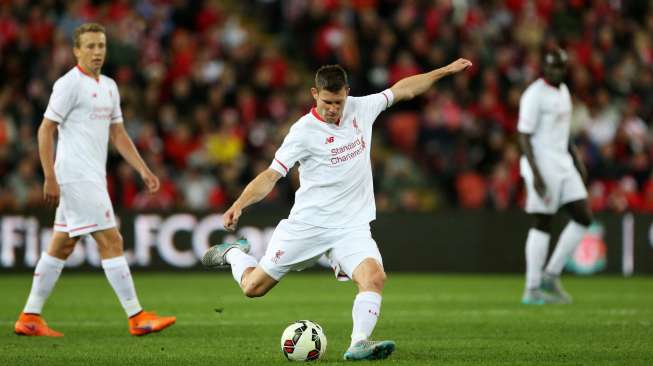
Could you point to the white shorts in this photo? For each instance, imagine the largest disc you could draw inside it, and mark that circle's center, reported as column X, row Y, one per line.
column 295, row 246
column 559, row 191
column 84, row 207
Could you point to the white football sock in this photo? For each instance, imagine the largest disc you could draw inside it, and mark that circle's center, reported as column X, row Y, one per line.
column 46, row 274
column 239, row 261
column 120, row 278
column 537, row 248
column 365, row 313
column 567, row 243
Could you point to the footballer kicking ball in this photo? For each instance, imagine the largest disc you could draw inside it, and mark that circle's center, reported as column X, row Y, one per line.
column 303, row 340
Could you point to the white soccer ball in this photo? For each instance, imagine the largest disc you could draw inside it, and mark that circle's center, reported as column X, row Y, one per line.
column 303, row 340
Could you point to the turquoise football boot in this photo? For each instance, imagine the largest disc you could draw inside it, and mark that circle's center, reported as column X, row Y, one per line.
column 215, row 257
column 551, row 286
column 369, row 350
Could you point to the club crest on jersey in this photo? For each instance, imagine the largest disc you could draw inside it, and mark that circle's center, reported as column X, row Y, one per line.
column 358, row 130
column 277, row 256
column 330, row 140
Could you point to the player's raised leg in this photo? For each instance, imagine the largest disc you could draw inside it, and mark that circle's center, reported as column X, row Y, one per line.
column 116, row 269
column 251, row 278
column 570, row 237
column 370, row 279
column 46, row 274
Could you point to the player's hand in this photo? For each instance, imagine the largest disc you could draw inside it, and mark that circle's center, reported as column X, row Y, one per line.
column 151, row 181
column 540, row 187
column 230, row 218
column 458, row 65
column 51, row 191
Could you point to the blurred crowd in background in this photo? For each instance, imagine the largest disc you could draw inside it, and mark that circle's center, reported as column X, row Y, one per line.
column 209, row 89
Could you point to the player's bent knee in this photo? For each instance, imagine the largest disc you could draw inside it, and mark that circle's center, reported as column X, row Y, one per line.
column 374, row 281
column 369, row 275
column 377, row 280
column 254, row 290
column 256, row 282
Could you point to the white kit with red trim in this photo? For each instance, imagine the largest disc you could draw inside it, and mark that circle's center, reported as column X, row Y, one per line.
column 84, row 107
column 335, row 171
column 545, row 113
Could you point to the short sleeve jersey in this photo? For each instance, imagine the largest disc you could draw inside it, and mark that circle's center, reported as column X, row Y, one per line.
column 545, row 113
column 84, row 107
column 335, row 172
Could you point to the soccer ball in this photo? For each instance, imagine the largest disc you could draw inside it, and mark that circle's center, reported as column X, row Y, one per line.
column 303, row 340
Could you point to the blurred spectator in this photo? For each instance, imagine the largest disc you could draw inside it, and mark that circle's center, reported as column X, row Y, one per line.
column 207, row 96
column 196, row 189
column 472, row 190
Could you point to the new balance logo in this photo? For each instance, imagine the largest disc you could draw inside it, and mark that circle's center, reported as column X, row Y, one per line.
column 330, row 140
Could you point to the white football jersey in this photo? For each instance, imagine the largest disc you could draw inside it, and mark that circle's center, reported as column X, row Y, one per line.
column 335, row 172
column 545, row 113
column 84, row 108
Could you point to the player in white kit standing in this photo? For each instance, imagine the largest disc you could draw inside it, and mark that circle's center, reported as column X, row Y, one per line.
column 85, row 110
column 334, row 203
column 552, row 173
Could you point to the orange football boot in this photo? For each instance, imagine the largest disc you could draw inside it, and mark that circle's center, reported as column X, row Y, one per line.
column 148, row 322
column 34, row 325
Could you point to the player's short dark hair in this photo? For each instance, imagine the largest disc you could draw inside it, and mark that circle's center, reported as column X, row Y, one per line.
column 86, row 28
column 331, row 77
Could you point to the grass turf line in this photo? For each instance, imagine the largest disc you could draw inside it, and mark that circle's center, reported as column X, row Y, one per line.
column 435, row 320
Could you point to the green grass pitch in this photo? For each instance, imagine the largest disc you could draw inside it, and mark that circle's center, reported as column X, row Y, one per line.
column 435, row 320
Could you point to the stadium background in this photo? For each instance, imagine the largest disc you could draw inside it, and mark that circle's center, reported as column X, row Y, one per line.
column 210, row 88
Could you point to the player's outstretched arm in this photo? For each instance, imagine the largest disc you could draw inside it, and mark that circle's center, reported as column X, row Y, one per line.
column 45, row 137
column 412, row 86
column 123, row 143
column 255, row 191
